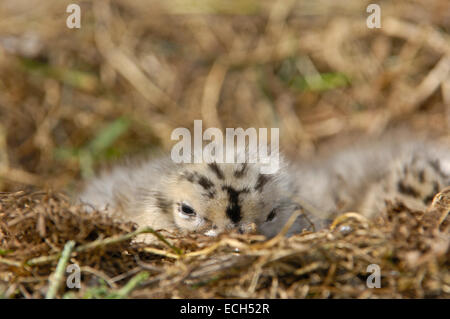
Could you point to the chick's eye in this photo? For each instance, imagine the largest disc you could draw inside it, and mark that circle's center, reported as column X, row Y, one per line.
column 271, row 215
column 187, row 210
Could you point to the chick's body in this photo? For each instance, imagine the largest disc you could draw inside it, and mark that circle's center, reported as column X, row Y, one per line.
column 212, row 198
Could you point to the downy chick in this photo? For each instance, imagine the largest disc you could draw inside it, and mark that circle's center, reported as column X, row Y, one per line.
column 212, row 198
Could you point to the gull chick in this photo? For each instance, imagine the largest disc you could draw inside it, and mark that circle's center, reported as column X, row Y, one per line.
column 211, row 198
column 208, row 198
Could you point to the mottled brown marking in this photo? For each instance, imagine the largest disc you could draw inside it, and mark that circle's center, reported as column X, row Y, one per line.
column 406, row 189
column 205, row 182
column 428, row 199
column 233, row 211
column 262, row 180
column 190, row 177
column 215, row 168
column 163, row 202
column 241, row 171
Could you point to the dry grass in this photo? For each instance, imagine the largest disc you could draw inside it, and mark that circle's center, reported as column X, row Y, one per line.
column 410, row 247
column 73, row 99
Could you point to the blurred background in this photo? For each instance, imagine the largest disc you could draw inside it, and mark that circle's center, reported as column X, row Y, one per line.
column 74, row 99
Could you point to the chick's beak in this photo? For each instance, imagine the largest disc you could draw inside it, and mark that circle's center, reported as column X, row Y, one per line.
column 247, row 228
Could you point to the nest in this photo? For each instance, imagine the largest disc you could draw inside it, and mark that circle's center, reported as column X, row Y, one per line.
column 41, row 233
column 74, row 99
